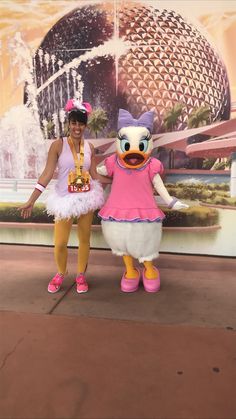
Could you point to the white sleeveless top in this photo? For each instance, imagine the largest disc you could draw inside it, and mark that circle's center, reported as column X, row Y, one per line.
column 66, row 164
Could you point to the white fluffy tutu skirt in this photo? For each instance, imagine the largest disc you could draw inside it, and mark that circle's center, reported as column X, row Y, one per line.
column 139, row 240
column 75, row 204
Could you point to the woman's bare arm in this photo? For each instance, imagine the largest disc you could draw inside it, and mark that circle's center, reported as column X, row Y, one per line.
column 93, row 170
column 44, row 179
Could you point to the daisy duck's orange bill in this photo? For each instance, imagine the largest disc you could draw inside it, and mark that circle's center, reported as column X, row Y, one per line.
column 133, row 159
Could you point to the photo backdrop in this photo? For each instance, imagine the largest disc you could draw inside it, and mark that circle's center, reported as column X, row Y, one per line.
column 168, row 56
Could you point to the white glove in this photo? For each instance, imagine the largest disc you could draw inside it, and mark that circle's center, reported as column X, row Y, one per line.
column 102, row 170
column 178, row 205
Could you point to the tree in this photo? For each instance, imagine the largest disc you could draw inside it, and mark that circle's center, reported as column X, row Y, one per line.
column 208, row 163
column 198, row 118
column 97, row 121
column 171, row 117
column 171, row 120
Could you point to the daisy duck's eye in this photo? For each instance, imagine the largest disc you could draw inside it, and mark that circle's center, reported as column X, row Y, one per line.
column 124, row 144
column 143, row 145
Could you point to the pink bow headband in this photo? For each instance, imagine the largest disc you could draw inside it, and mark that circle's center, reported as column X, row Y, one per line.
column 75, row 104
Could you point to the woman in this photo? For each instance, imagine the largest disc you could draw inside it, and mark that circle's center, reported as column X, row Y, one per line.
column 77, row 193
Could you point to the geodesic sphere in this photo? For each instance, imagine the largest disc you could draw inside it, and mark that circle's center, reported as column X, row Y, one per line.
column 169, row 62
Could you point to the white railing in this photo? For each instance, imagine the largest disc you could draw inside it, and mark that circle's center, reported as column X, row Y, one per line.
column 18, row 184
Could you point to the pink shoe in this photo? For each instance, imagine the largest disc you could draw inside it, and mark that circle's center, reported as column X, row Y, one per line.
column 55, row 284
column 152, row 285
column 81, row 284
column 130, row 284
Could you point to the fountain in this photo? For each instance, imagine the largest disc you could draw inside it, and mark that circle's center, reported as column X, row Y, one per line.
column 23, row 146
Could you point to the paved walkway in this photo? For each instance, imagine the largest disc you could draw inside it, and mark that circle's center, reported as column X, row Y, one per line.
column 110, row 355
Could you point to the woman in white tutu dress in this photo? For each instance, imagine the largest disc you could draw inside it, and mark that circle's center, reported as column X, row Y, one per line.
column 77, row 193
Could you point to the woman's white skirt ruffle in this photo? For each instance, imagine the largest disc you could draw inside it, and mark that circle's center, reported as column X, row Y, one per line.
column 140, row 240
column 75, row 204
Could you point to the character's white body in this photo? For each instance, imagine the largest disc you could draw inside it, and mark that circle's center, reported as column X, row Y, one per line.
column 139, row 240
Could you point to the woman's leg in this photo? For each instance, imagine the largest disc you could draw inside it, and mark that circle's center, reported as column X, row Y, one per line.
column 62, row 230
column 84, row 230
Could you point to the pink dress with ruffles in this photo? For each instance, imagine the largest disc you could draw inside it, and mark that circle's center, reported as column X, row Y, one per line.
column 131, row 198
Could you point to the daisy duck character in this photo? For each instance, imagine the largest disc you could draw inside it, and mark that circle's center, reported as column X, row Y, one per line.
column 131, row 220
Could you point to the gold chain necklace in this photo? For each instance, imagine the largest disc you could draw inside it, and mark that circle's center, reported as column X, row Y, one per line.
column 78, row 181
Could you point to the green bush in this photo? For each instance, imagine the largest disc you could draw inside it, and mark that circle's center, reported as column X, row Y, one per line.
column 219, row 186
column 210, row 193
column 221, row 200
column 9, row 213
column 193, row 216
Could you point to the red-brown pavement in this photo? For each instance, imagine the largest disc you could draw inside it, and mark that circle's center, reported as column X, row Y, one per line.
column 106, row 354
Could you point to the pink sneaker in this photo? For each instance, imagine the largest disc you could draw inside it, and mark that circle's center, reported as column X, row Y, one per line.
column 55, row 284
column 81, row 284
column 130, row 284
column 152, row 285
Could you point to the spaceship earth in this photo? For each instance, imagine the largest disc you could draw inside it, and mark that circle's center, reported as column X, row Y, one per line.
column 168, row 61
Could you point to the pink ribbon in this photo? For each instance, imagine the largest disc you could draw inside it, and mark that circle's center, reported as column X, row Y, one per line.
column 75, row 104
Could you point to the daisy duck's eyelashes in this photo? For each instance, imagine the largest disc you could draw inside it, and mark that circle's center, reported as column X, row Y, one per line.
column 121, row 136
column 144, row 143
column 124, row 143
column 148, row 137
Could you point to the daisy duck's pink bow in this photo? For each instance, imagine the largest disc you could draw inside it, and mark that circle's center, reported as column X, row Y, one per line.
column 125, row 119
column 75, row 104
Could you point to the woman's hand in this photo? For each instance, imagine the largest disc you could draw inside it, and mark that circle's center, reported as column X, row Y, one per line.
column 95, row 172
column 26, row 209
